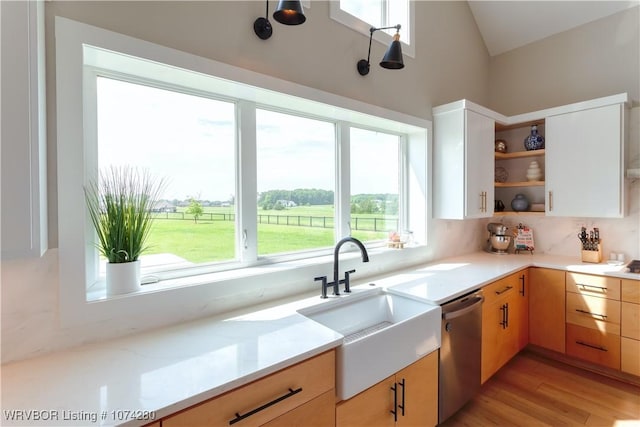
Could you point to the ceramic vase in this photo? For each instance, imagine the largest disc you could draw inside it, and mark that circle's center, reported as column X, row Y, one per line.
column 534, row 141
column 534, row 173
column 520, row 203
column 123, row 278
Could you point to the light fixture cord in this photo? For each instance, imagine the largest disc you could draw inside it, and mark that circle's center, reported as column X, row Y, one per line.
column 266, row 15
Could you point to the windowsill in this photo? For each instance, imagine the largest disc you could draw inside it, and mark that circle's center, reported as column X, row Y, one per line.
column 97, row 292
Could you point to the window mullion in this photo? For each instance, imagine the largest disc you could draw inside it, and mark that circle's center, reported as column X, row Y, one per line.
column 343, row 181
column 246, row 184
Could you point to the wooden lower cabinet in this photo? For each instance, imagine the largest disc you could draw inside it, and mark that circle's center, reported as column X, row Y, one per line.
column 593, row 319
column 630, row 327
column 547, row 308
column 290, row 393
column 505, row 321
column 416, row 386
column 593, row 345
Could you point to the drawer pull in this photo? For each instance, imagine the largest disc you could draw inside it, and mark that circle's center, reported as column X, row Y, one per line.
column 502, row 291
column 403, row 389
column 586, row 287
column 265, row 406
column 596, row 347
column 394, row 411
column 604, row 316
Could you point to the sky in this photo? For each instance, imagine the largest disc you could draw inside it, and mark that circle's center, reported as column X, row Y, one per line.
column 190, row 140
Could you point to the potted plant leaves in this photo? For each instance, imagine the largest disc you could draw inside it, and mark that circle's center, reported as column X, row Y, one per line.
column 120, row 206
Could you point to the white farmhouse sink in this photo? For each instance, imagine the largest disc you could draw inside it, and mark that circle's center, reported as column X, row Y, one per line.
column 383, row 333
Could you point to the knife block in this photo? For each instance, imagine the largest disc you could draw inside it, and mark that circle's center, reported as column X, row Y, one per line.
column 592, row 256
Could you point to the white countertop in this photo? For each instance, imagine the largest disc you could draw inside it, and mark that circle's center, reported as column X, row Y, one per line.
column 448, row 279
column 170, row 369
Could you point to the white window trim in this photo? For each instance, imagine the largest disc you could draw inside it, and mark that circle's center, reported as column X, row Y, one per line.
column 363, row 27
column 216, row 292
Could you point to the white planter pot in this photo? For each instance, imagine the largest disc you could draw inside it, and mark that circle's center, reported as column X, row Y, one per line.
column 123, row 278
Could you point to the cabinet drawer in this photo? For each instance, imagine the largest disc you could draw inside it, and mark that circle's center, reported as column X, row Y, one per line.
column 630, row 320
column 599, row 286
column 630, row 356
column 593, row 312
column 630, row 291
column 593, row 345
column 504, row 287
column 319, row 412
column 314, row 377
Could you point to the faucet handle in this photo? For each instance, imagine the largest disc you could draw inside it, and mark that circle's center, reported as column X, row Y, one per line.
column 347, row 289
column 324, row 285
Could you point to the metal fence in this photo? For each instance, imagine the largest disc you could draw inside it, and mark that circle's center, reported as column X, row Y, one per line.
column 357, row 223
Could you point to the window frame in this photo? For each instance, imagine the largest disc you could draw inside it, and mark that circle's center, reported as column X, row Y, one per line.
column 357, row 24
column 78, row 304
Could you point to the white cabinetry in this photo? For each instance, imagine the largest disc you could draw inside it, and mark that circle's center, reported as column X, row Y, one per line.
column 24, row 218
column 463, row 159
column 584, row 163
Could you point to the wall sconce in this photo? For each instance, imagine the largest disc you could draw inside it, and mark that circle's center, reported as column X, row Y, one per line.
column 392, row 59
column 288, row 12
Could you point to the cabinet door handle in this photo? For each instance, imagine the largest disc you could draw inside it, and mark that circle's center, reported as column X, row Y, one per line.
column 585, row 287
column 394, row 411
column 265, row 406
column 505, row 315
column 550, row 201
column 596, row 347
column 502, row 291
column 604, row 316
column 403, row 389
column 522, row 290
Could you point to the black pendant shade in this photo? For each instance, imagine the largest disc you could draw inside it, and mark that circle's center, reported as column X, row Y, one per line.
column 289, row 12
column 392, row 59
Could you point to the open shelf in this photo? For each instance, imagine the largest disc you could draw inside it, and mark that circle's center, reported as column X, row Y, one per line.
column 519, row 184
column 519, row 154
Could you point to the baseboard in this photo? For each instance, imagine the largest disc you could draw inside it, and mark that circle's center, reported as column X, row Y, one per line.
column 581, row 364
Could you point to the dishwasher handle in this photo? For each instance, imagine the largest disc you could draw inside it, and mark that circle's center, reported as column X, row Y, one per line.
column 464, row 307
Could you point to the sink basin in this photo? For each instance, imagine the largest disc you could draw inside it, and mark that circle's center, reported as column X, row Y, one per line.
column 383, row 333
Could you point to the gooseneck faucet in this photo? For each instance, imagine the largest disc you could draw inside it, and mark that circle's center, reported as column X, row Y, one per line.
column 336, row 252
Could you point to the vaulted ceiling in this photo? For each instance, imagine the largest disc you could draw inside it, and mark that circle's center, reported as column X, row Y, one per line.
column 506, row 25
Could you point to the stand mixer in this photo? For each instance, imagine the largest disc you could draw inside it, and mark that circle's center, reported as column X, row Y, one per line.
column 499, row 239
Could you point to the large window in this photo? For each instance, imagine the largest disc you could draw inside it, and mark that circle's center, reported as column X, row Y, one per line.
column 277, row 177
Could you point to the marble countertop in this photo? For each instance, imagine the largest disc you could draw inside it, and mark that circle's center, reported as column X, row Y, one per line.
column 445, row 280
column 167, row 370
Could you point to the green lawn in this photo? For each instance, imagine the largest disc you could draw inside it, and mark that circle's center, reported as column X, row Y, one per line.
column 211, row 241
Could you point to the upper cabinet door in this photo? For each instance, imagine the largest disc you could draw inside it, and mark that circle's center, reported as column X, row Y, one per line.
column 584, row 163
column 463, row 164
column 480, row 132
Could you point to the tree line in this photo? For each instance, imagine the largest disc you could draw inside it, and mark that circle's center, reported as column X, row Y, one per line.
column 381, row 203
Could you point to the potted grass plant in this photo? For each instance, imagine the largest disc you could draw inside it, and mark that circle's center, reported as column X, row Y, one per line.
column 120, row 206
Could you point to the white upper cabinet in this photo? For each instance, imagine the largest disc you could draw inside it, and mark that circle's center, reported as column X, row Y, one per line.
column 463, row 158
column 583, row 159
column 584, row 163
column 23, row 171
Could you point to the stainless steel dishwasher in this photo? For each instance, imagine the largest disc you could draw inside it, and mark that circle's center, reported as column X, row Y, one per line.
column 460, row 353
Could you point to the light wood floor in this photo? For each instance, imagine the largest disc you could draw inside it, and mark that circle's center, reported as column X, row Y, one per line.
column 534, row 391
